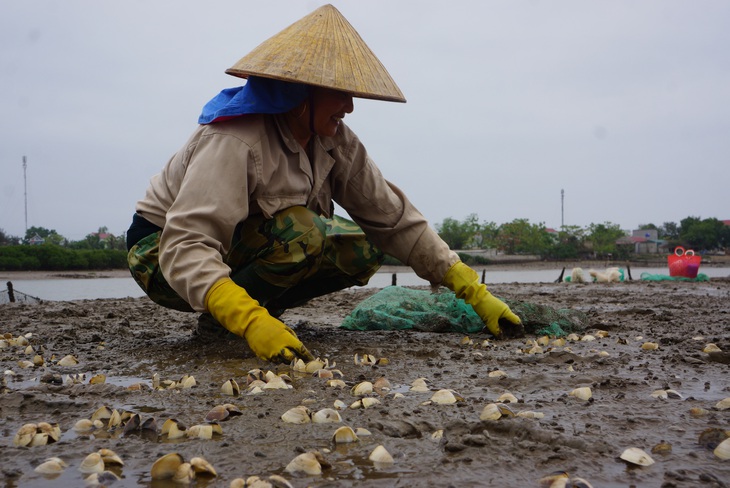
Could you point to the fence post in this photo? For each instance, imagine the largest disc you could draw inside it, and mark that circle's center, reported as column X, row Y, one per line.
column 393, row 280
column 11, row 295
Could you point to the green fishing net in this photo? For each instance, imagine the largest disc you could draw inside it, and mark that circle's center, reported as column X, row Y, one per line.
column 660, row 277
column 399, row 308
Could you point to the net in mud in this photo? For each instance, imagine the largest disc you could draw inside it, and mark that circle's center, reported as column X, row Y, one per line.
column 399, row 308
column 11, row 295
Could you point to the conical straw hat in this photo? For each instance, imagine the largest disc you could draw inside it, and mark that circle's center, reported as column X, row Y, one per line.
column 321, row 49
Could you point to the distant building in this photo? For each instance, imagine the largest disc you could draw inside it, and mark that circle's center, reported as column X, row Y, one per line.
column 36, row 240
column 644, row 241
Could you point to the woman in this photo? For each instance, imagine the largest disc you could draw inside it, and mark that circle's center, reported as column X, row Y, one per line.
column 240, row 221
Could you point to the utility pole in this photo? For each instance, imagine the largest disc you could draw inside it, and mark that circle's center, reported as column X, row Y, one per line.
column 562, row 208
column 25, row 191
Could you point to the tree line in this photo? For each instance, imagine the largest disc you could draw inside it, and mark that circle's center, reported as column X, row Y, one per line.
column 103, row 250
column 574, row 242
column 53, row 252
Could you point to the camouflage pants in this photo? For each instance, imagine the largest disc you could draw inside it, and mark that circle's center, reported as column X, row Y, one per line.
column 282, row 262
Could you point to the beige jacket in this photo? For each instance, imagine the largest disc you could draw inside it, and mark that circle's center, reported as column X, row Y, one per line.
column 250, row 165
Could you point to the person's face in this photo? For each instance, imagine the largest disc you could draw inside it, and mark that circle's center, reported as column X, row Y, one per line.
column 330, row 107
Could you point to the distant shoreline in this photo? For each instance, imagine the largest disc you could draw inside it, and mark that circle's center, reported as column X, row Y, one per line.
column 506, row 265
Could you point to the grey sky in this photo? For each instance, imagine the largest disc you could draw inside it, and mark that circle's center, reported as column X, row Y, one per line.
column 624, row 104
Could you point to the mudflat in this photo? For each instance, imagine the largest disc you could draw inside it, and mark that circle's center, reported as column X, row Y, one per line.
column 130, row 341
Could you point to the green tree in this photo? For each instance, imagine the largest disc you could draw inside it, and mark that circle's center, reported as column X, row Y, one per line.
column 50, row 235
column 570, row 243
column 701, row 234
column 459, row 235
column 522, row 237
column 603, row 237
column 7, row 239
column 669, row 231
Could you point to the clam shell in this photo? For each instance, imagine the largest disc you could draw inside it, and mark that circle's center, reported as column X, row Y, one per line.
column 276, row 383
column 723, row 404
column 93, row 463
column 336, row 384
column 326, row 415
column 497, row 373
column 217, row 414
column 420, row 385
column 711, row 348
column 582, row 393
column 187, row 381
column 556, row 479
column 634, row 455
column 344, row 435
column 363, row 388
column 444, row 397
column 366, row 402
column 173, row 429
column 84, row 425
column 110, row 457
column 340, row 405
column 297, row 415
column 507, row 398
column 184, row 475
column 201, row 431
column 490, row 412
column 723, row 449
column 304, row 463
column 25, row 435
column 650, row 346
column 230, row 388
column 381, row 455
column 51, row 466
column 166, row 466
column 103, row 413
column 68, row 360
column 39, row 439
column 202, row 467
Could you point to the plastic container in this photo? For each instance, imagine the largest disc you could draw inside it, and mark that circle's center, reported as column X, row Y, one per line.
column 684, row 263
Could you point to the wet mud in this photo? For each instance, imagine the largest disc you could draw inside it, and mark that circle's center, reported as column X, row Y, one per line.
column 131, row 340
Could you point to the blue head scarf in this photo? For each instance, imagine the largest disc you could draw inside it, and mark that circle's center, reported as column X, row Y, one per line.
column 257, row 96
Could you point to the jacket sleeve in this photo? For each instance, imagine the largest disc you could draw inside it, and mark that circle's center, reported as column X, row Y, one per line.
column 211, row 200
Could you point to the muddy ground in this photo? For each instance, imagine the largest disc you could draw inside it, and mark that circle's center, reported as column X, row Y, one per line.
column 130, row 340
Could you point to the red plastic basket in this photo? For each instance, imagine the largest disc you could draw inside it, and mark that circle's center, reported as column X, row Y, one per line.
column 684, row 263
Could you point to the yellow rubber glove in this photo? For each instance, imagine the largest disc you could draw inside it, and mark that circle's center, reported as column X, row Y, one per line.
column 267, row 337
column 464, row 282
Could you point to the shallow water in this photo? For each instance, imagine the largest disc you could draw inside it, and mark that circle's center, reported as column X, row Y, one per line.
column 94, row 288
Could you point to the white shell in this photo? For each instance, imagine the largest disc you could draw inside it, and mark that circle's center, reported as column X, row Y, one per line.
column 276, row 383
column 344, row 435
column 443, row 397
column 363, row 388
column 165, row 467
column 230, row 388
column 583, row 393
column 723, row 449
column 650, row 346
column 304, row 463
column 507, row 398
column 51, row 466
column 490, row 412
column 381, row 455
column 419, row 385
column 68, row 361
column 497, row 373
column 93, row 463
column 723, row 404
column 711, row 348
column 634, row 455
column 297, row 415
column 326, row 415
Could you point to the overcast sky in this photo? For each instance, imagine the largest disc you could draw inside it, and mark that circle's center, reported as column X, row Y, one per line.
column 624, row 104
